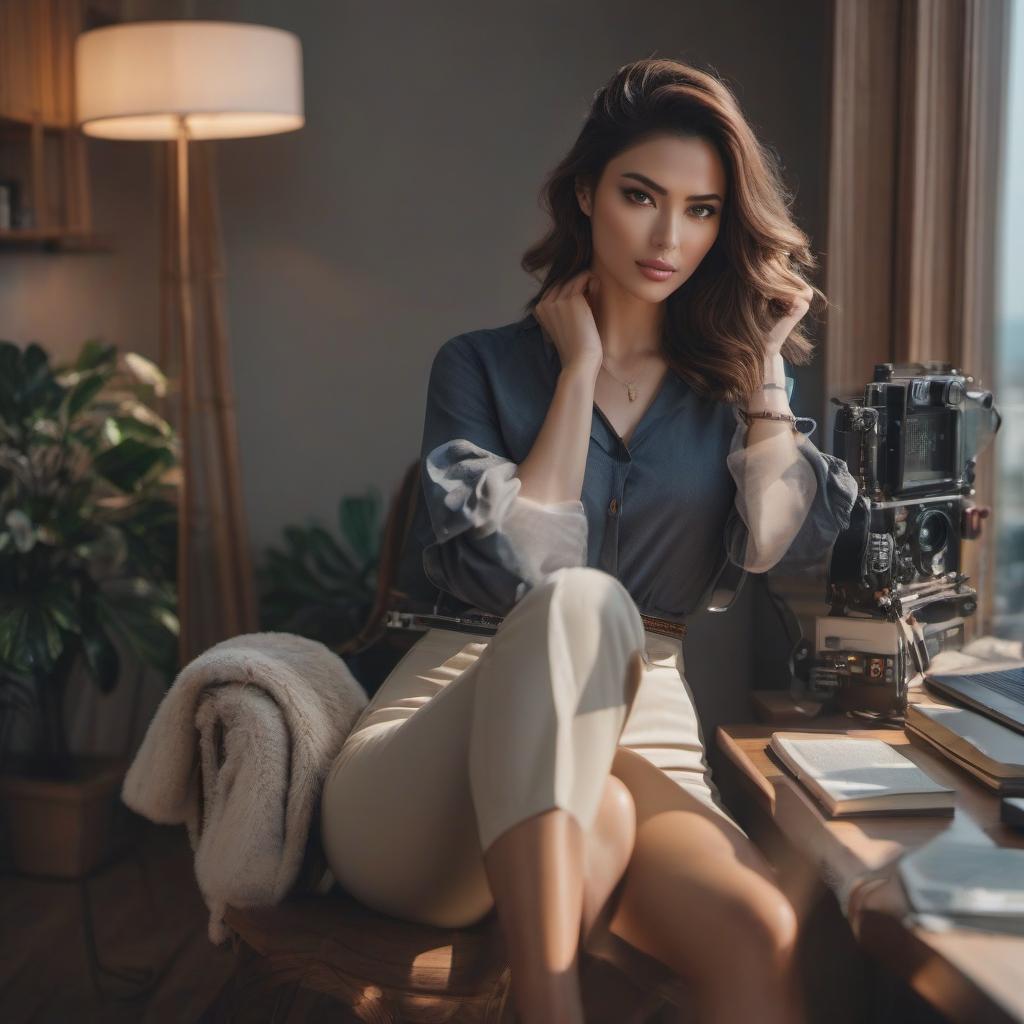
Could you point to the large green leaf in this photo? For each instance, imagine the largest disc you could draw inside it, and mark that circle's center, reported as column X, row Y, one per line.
column 146, row 373
column 13, row 632
column 95, row 353
column 39, row 392
column 130, row 462
column 144, row 615
column 102, row 662
column 131, row 426
column 82, row 394
column 10, row 375
column 151, row 537
column 60, row 601
column 44, row 639
column 314, row 587
column 359, row 519
column 327, row 554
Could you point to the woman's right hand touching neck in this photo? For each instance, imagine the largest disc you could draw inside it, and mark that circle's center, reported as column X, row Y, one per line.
column 566, row 316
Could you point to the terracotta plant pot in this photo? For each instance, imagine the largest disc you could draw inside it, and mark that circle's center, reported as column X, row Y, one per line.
column 61, row 827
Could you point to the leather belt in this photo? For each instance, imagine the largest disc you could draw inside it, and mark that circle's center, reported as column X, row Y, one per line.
column 666, row 626
column 486, row 624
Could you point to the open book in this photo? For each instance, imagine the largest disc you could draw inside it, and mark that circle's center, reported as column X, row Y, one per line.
column 849, row 775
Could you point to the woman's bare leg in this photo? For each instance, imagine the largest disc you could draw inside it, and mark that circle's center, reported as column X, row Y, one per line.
column 535, row 870
column 537, row 861
column 699, row 896
column 548, row 878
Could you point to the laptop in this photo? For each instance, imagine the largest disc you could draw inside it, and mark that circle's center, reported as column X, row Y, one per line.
column 998, row 694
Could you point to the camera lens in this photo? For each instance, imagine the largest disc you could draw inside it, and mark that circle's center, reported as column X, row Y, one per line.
column 932, row 533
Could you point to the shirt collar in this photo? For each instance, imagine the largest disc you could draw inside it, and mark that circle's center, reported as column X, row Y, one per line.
column 670, row 391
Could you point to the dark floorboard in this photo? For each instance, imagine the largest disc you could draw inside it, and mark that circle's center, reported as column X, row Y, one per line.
column 44, row 963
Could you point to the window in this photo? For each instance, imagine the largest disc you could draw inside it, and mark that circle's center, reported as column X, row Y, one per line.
column 1008, row 385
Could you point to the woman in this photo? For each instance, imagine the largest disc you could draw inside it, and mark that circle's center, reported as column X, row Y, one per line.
column 587, row 472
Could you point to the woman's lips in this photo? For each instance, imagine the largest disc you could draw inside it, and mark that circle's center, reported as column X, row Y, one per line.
column 654, row 274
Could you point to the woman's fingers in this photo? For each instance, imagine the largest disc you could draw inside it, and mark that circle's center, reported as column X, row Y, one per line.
column 579, row 283
column 554, row 293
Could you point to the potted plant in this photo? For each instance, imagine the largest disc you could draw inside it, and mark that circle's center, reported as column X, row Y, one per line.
column 88, row 480
column 321, row 587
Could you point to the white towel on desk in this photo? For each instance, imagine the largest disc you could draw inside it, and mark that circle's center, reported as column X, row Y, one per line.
column 237, row 751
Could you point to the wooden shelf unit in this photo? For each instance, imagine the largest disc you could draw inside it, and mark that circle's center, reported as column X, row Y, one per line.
column 42, row 152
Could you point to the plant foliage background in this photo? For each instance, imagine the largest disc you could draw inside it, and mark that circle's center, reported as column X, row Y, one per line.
column 88, row 526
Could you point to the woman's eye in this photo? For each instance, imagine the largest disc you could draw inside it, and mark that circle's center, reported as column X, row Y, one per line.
column 709, row 211
column 627, row 192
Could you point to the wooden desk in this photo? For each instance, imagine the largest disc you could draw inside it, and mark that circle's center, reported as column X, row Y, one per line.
column 970, row 977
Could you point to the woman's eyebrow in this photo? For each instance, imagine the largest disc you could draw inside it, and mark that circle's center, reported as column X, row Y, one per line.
column 664, row 191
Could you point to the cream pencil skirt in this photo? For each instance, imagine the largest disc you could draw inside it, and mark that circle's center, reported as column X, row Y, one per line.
column 471, row 734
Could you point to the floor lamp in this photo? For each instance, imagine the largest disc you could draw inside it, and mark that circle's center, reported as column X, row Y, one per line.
column 180, row 81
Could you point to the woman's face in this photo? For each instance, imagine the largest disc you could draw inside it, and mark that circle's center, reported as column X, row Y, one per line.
column 658, row 200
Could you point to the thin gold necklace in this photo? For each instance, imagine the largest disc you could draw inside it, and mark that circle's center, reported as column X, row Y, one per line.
column 630, row 385
column 631, row 388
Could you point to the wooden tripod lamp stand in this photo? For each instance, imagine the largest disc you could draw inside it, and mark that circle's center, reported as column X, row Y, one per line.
column 180, row 81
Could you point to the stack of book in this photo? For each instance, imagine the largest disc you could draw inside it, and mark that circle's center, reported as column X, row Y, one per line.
column 992, row 752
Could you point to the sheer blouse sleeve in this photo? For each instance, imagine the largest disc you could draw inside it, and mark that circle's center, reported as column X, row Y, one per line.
column 792, row 501
column 491, row 544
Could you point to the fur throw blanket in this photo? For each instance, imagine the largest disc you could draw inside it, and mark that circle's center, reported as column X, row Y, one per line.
column 237, row 751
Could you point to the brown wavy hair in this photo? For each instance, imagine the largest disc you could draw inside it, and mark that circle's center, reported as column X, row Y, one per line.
column 714, row 321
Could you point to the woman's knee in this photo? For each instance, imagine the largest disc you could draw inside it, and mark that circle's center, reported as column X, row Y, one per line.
column 615, row 825
column 746, row 937
column 584, row 581
column 762, row 923
column 587, row 591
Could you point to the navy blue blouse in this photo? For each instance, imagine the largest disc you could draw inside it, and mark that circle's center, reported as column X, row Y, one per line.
column 661, row 514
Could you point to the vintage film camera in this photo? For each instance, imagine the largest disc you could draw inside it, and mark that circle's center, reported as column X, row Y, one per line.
column 895, row 585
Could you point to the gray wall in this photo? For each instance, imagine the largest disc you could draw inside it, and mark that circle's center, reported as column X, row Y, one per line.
column 61, row 299
column 396, row 218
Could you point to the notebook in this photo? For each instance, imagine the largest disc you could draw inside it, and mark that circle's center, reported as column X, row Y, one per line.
column 850, row 775
column 965, row 880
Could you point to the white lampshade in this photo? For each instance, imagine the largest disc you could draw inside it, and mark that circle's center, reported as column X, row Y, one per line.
column 229, row 80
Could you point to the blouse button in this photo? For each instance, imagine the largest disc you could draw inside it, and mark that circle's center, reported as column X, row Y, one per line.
column 613, row 507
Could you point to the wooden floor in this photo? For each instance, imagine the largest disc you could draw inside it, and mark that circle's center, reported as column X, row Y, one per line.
column 45, row 975
column 44, row 963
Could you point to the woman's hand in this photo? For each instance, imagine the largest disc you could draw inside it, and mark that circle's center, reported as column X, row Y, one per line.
column 784, row 327
column 566, row 315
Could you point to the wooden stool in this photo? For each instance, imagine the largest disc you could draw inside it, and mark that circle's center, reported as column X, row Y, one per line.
column 381, row 969
column 328, row 957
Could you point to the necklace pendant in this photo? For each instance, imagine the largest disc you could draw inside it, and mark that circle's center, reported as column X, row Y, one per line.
column 631, row 392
